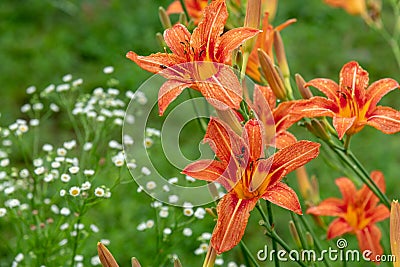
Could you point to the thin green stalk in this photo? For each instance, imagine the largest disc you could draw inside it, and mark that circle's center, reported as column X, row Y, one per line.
column 203, row 126
column 271, row 222
column 298, row 229
column 184, row 9
column 316, row 241
column 351, row 161
column 248, row 253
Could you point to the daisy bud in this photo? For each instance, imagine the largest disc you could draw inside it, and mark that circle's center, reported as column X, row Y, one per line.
column 271, row 75
column 304, row 91
column 395, row 231
column 164, row 18
column 105, row 256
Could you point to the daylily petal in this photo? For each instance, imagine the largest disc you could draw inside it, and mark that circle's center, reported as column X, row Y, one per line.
column 342, row 124
column 347, row 188
column 353, row 78
column 328, row 207
column 156, row 62
column 174, row 8
column 315, row 107
column 205, row 36
column 378, row 89
column 369, row 198
column 177, row 38
column 231, row 40
column 284, row 196
column 292, row 157
column 284, row 117
column 253, row 136
column 284, row 139
column 369, row 239
column 225, row 143
column 233, row 214
column 379, row 213
column 326, row 86
column 222, row 89
column 262, row 95
column 337, row 228
column 205, row 169
column 168, row 92
column 385, row 119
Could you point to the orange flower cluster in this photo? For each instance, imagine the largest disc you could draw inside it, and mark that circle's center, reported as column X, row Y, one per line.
column 242, row 166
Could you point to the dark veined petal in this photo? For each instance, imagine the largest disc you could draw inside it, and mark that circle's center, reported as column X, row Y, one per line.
column 232, row 40
column 169, row 91
column 347, row 189
column 354, row 79
column 205, row 36
column 328, row 207
column 177, row 38
column 292, row 157
column 369, row 239
column 233, row 214
column 226, row 144
column 326, row 86
column 342, row 124
column 385, row 119
column 284, row 196
column 378, row 89
column 156, row 62
column 337, row 228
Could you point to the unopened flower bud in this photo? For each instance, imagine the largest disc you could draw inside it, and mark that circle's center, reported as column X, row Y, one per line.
column 295, row 234
column 164, row 18
column 105, row 256
column 304, row 91
column 252, row 20
column 309, row 240
column 135, row 262
column 271, row 75
column 318, row 129
column 395, row 231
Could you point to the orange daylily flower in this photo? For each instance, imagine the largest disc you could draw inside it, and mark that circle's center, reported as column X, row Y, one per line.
column 207, row 43
column 194, row 8
column 247, row 176
column 265, row 41
column 351, row 104
column 358, row 213
column 353, row 7
column 264, row 104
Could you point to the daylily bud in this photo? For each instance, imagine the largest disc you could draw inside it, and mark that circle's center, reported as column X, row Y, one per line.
column 270, row 6
column 395, row 231
column 271, row 75
column 295, row 234
column 213, row 190
column 211, row 212
column 164, row 18
column 237, row 58
column 106, row 258
column 135, row 262
column 160, row 40
column 308, row 189
column 318, row 129
column 282, row 62
column 252, row 20
column 183, row 19
column 309, row 240
column 304, row 91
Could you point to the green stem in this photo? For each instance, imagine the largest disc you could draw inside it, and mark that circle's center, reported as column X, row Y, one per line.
column 248, row 253
column 350, row 160
column 271, row 222
column 203, row 126
column 185, row 9
column 316, row 240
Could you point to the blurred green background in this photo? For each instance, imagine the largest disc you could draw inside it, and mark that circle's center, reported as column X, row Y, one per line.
column 40, row 41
